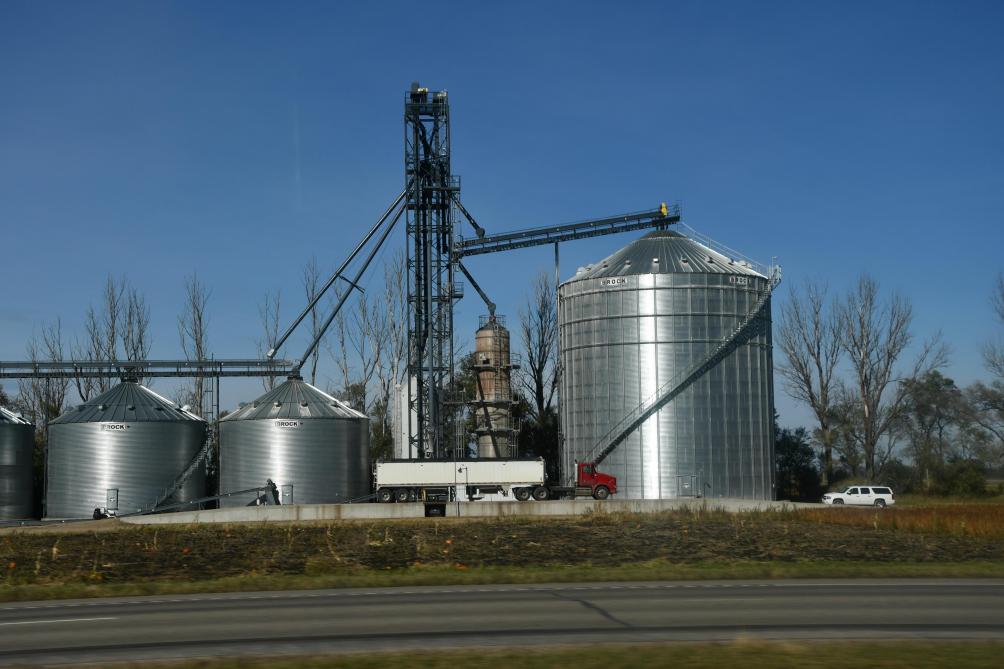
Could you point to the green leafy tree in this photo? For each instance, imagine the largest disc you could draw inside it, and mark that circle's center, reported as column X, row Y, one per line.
column 986, row 422
column 935, row 410
column 539, row 438
column 381, row 435
column 964, row 477
column 796, row 464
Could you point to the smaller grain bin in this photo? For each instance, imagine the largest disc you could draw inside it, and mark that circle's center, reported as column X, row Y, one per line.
column 494, row 425
column 17, row 443
column 129, row 444
column 312, row 445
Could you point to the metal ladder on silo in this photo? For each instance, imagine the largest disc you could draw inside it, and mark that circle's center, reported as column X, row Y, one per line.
column 210, row 412
column 186, row 473
column 671, row 389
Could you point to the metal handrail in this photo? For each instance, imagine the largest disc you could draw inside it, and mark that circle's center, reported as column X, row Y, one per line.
column 726, row 251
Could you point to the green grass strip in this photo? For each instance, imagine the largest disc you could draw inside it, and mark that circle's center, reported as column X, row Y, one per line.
column 436, row 575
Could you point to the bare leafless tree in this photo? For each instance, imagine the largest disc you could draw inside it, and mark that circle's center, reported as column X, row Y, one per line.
column 193, row 330
column 538, row 322
column 809, row 337
column 102, row 335
column 136, row 338
column 366, row 336
column 993, row 353
column 90, row 348
column 339, row 349
column 268, row 312
column 395, row 326
column 392, row 332
column 111, row 314
column 311, row 284
column 119, row 329
column 875, row 336
column 44, row 399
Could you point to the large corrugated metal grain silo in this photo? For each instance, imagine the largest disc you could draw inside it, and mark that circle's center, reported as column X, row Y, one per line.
column 296, row 435
column 640, row 319
column 17, row 445
column 128, row 439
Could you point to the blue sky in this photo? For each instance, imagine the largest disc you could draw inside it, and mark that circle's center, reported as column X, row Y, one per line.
column 237, row 139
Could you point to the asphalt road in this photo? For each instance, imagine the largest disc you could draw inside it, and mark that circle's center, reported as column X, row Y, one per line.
column 139, row 628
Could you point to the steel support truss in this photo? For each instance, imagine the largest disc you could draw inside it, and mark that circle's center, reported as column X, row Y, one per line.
column 431, row 190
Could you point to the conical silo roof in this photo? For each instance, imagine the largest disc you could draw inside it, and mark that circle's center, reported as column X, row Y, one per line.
column 126, row 403
column 8, row 417
column 295, row 399
column 666, row 252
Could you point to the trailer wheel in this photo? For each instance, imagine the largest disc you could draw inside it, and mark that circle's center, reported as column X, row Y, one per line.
column 401, row 494
column 385, row 495
column 540, row 494
column 601, row 492
column 521, row 494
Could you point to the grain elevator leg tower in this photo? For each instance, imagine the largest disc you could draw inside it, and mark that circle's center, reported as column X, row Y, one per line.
column 431, row 290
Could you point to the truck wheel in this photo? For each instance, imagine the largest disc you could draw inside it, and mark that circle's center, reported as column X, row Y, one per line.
column 401, row 494
column 540, row 494
column 601, row 492
column 838, row 501
column 880, row 503
column 385, row 495
column 522, row 494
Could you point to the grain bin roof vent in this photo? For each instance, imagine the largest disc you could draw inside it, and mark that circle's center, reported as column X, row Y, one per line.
column 127, row 402
column 295, row 398
column 670, row 252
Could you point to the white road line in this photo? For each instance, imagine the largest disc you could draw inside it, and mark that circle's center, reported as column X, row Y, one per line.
column 48, row 622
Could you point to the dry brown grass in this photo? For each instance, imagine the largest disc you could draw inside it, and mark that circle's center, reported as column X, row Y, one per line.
column 984, row 521
column 749, row 654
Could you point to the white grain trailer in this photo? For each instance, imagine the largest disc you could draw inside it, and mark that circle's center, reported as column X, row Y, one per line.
column 439, row 481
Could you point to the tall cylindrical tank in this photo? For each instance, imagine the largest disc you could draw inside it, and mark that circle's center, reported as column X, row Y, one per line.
column 17, row 445
column 641, row 318
column 128, row 440
column 296, row 435
column 493, row 395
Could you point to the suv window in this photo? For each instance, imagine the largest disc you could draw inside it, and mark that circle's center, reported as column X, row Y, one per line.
column 882, row 491
column 852, row 491
column 864, row 491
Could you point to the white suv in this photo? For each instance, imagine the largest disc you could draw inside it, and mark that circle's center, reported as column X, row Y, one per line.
column 862, row 496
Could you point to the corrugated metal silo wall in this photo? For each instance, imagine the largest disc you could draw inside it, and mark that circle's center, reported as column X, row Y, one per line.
column 620, row 343
column 326, row 460
column 17, row 443
column 140, row 459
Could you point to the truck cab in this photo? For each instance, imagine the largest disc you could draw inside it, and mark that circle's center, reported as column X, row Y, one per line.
column 600, row 485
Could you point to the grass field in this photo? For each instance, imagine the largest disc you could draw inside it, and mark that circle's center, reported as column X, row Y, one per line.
column 124, row 559
column 985, row 520
column 745, row 654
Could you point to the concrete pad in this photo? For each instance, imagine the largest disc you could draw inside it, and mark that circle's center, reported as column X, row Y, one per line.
column 483, row 509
